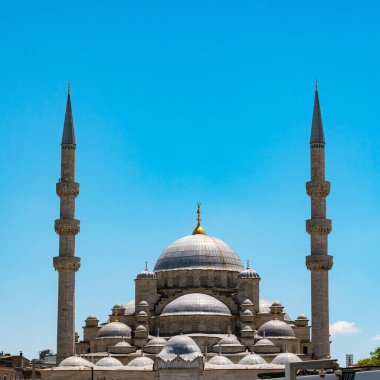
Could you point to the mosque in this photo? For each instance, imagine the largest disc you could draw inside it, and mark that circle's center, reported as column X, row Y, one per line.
column 198, row 313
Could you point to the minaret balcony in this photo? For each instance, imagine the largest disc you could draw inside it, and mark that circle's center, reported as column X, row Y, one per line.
column 319, row 262
column 66, row 263
column 318, row 188
column 67, row 226
column 318, row 226
column 67, row 188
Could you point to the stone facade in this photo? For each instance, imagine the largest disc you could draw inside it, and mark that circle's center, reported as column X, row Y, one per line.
column 318, row 262
column 66, row 264
column 198, row 313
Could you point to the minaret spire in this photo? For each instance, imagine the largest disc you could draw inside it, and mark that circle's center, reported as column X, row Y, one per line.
column 68, row 135
column 319, row 262
column 317, row 135
column 67, row 227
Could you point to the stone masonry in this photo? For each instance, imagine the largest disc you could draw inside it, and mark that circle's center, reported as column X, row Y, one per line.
column 318, row 262
column 67, row 227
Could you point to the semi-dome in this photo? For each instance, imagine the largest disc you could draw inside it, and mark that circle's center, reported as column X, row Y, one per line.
column 140, row 328
column 252, row 359
column 142, row 314
column 220, row 360
column 196, row 303
column 276, row 328
column 114, row 330
column 247, row 313
column 75, row 361
column 199, row 252
column 247, row 302
column 182, row 346
column 123, row 343
column 143, row 303
column 230, row 339
column 286, row 357
column 141, row 361
column 264, row 342
column 157, row 341
column 129, row 308
column 109, row 361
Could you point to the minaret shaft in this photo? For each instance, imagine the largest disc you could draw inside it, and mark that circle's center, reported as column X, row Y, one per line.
column 67, row 227
column 319, row 262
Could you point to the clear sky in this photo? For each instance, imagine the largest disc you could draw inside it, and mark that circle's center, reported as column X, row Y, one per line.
column 177, row 102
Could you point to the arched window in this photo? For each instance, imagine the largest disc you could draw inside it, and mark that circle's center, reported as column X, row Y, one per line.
column 305, row 350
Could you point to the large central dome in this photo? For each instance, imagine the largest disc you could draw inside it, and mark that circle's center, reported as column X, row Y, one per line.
column 199, row 251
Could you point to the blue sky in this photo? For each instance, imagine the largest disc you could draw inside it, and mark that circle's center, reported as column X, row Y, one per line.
column 177, row 102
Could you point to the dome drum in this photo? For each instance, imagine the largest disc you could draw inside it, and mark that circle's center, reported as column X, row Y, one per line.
column 196, row 278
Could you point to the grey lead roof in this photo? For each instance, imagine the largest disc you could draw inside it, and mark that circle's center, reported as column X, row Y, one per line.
column 196, row 303
column 180, row 346
column 68, row 135
column 199, row 251
column 317, row 134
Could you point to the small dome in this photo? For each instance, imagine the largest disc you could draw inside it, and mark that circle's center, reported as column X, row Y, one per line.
column 122, row 344
column 264, row 342
column 146, row 274
column 247, row 328
column 247, row 302
column 140, row 328
column 157, row 341
column 117, row 306
column 91, row 317
column 248, row 273
column 264, row 306
column 143, row 303
column 180, row 345
column 252, row 359
column 129, row 308
column 220, row 360
column 141, row 361
column 276, row 328
column 108, row 361
column 286, row 357
column 142, row 314
column 199, row 251
column 247, row 313
column 230, row 339
column 196, row 303
column 303, row 317
column 277, row 304
column 75, row 361
column 114, row 330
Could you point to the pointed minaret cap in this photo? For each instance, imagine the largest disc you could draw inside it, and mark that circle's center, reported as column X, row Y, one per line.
column 317, row 135
column 68, row 135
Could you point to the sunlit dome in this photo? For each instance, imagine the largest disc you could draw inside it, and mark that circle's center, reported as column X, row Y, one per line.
column 199, row 252
column 114, row 330
column 196, row 303
column 75, row 361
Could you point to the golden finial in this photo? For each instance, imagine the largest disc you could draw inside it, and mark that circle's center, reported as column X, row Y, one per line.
column 198, row 230
column 116, row 317
column 68, row 88
column 316, row 85
column 275, row 313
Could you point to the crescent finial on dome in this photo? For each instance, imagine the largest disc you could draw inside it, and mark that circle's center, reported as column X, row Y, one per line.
column 198, row 230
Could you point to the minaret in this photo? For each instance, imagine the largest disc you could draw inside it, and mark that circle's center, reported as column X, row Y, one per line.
column 319, row 262
column 67, row 227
